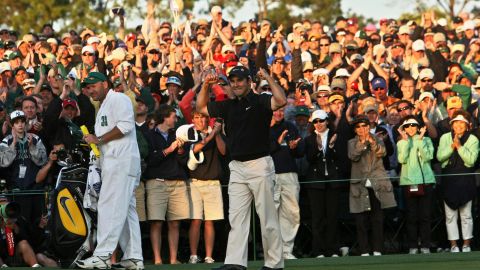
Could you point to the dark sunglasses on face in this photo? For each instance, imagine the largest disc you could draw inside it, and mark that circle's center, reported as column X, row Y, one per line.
column 337, row 88
column 324, row 45
column 379, row 89
column 153, row 52
column 87, row 54
column 410, row 125
column 427, row 80
column 316, row 121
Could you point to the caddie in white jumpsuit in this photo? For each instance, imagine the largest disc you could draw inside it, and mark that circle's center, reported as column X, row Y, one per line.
column 120, row 163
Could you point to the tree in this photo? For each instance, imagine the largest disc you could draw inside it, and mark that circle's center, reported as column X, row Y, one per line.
column 29, row 16
column 453, row 7
column 283, row 11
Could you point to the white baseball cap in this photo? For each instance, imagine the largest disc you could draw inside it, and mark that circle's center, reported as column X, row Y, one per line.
column 92, row 40
column 341, row 72
column 4, row 66
column 319, row 114
column 88, row 49
column 418, row 45
column 16, row 114
column 52, row 40
column 404, row 29
column 425, row 95
column 426, row 73
column 118, row 54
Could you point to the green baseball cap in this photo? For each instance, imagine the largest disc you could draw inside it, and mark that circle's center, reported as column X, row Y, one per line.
column 13, row 55
column 93, row 77
column 302, row 110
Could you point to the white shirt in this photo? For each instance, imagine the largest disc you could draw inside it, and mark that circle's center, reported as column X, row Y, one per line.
column 324, row 136
column 116, row 110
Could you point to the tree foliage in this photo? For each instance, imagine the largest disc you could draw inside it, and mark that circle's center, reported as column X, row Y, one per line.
column 287, row 12
column 26, row 15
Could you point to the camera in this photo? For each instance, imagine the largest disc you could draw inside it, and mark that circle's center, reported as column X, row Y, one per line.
column 10, row 210
column 118, row 11
column 61, row 154
column 219, row 120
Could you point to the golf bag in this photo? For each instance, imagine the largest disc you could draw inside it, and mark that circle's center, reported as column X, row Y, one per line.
column 71, row 226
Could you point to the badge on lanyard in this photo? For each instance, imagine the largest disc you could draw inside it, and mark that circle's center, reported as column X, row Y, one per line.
column 22, row 171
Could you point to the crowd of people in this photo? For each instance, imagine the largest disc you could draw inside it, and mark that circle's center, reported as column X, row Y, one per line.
column 368, row 110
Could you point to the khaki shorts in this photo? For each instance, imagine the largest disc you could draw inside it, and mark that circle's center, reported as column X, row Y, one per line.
column 207, row 202
column 167, row 200
column 140, row 197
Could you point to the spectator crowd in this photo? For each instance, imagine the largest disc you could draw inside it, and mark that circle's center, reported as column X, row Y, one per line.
column 387, row 113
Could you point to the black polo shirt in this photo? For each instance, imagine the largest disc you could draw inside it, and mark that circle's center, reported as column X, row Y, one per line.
column 247, row 125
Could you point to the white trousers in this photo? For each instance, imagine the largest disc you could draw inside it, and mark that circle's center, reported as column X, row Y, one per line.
column 286, row 196
column 117, row 215
column 451, row 218
column 253, row 180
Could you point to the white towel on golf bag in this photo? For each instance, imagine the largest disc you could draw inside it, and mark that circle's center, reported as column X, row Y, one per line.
column 94, row 183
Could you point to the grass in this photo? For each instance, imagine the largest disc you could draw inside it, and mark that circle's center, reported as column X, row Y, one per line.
column 435, row 261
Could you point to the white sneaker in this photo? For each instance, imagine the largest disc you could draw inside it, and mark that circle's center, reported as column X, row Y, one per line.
column 321, row 256
column 413, row 251
column 209, row 260
column 454, row 249
column 466, row 249
column 194, row 259
column 344, row 251
column 130, row 264
column 365, row 254
column 36, row 265
column 425, row 250
column 95, row 262
column 334, row 255
column 289, row 256
column 376, row 253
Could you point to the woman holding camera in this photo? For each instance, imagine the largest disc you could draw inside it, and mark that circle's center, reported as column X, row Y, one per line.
column 415, row 151
column 370, row 187
column 458, row 152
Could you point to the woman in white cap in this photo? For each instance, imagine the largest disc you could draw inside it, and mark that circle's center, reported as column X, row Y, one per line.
column 458, row 152
column 323, row 193
column 415, row 151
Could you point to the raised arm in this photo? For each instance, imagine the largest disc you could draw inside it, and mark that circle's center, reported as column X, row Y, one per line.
column 278, row 99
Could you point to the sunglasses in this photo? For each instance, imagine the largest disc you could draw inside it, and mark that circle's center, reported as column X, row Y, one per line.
column 427, row 80
column 410, row 125
column 337, row 88
column 316, row 121
column 404, row 108
column 324, row 45
column 379, row 89
column 153, row 52
column 361, row 126
column 88, row 54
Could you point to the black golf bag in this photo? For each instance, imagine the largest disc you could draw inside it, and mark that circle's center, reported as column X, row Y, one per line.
column 71, row 226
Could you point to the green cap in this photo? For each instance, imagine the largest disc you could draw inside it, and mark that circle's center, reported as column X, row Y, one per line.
column 302, row 110
column 93, row 77
column 13, row 56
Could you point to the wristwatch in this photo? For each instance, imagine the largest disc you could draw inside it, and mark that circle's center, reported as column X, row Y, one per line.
column 100, row 140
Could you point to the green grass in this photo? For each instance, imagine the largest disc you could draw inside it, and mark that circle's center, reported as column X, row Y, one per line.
column 436, row 261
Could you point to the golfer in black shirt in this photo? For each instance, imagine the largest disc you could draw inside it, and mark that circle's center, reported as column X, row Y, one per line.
column 247, row 126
